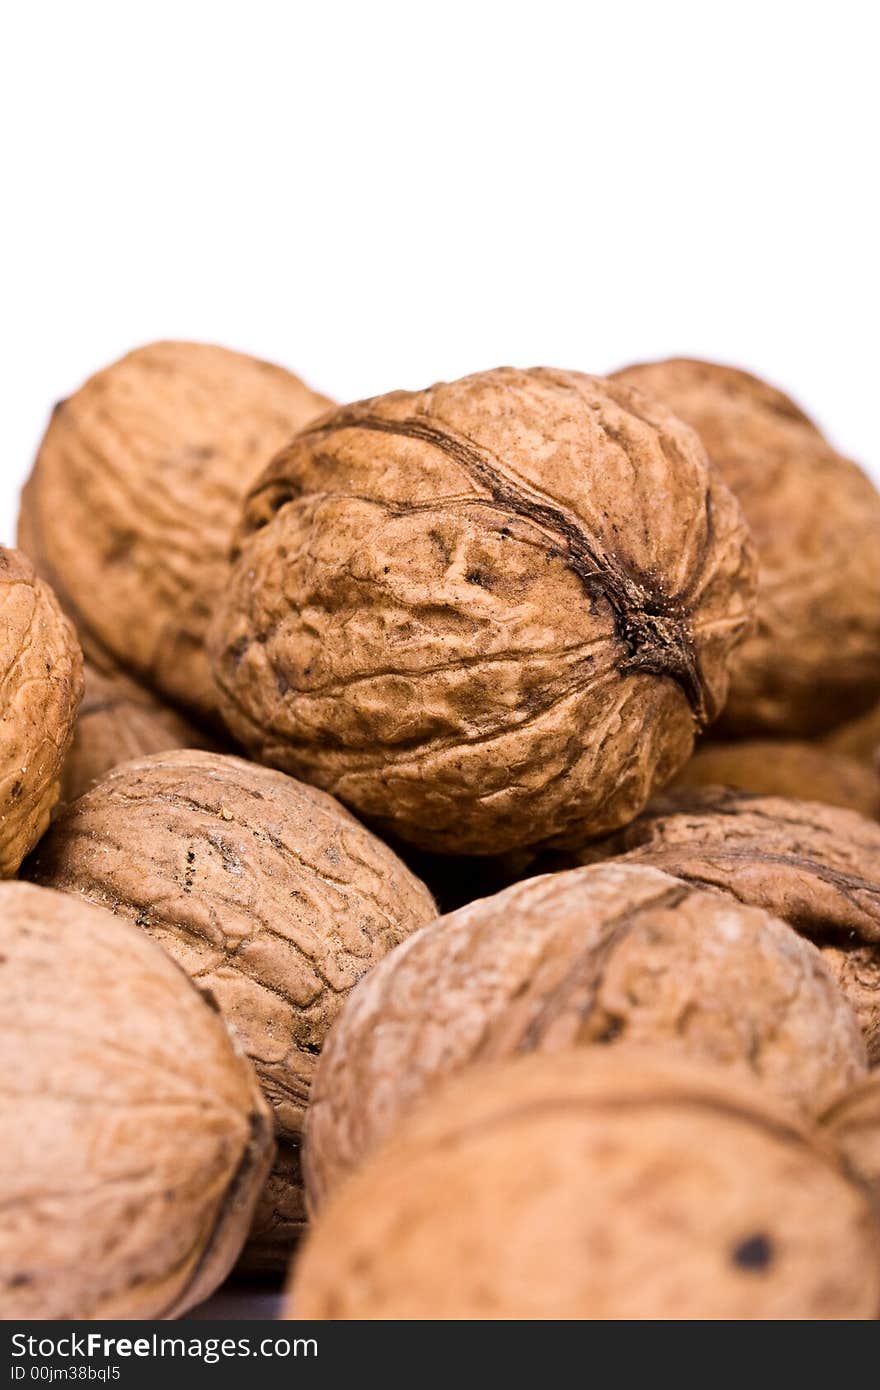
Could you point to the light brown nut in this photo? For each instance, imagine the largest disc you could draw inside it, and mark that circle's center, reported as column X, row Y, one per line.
column 136, row 490
column 595, row 1185
column 853, row 1123
column 860, row 738
column 488, row 611
column 119, row 720
column 40, row 691
column 784, row 767
column 614, row 954
column 265, row 890
column 814, row 658
column 816, row 866
column 134, row 1136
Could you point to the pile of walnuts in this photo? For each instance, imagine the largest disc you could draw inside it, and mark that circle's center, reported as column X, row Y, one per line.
column 441, row 843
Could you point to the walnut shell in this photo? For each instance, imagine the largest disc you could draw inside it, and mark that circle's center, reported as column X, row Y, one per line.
column 784, row 767
column 265, row 890
column 814, row 659
column 853, row 1123
column 134, row 1136
column 816, row 866
column 120, row 720
column 595, row 1185
column 40, row 690
column 490, row 610
column 136, row 490
column 610, row 954
column 860, row 738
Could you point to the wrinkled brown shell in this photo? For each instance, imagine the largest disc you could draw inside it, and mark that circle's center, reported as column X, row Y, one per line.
column 607, row 955
column 40, row 690
column 853, row 1123
column 120, row 720
column 860, row 738
column 595, row 1185
column 784, row 767
column 488, row 612
column 136, row 491
column 816, row 866
column 265, row 890
column 134, row 1136
column 814, row 659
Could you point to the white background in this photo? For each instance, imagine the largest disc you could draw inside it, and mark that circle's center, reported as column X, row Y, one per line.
column 380, row 194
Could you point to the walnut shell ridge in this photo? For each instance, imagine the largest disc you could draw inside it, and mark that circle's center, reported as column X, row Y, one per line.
column 610, row 955
column 784, row 767
column 135, row 1139
column 135, row 493
column 120, row 720
column 852, row 1122
column 814, row 657
column 489, row 611
column 815, row 866
column 265, row 890
column 595, row 1185
column 41, row 686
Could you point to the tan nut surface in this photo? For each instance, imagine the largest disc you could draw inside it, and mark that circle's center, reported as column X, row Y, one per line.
column 40, row 691
column 853, row 1123
column 614, row 954
column 265, row 890
column 860, row 738
column 119, row 720
column 785, row 767
column 816, row 866
column 594, row 1184
column 135, row 493
column 814, row 659
column 134, row 1136
column 490, row 611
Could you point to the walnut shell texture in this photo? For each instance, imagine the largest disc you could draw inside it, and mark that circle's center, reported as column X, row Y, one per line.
column 595, row 1185
column 784, row 767
column 265, row 890
column 853, row 1123
column 134, row 1136
column 814, row 659
column 816, row 866
column 120, row 720
column 135, row 493
column 40, row 689
column 501, row 604
column 612, row 954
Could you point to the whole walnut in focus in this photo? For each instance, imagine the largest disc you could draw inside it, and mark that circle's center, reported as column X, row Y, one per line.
column 595, row 1185
column 816, row 866
column 814, row 659
column 135, row 493
column 134, row 1136
column 119, row 720
column 266, row 891
column 613, row 954
column 784, row 767
column 486, row 613
column 40, row 690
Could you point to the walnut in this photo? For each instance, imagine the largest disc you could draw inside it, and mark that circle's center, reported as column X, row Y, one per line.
column 265, row 890
column 120, row 720
column 40, row 691
column 595, row 1185
column 816, row 866
column 853, row 1123
column 486, row 613
column 135, row 1138
column 859, row 739
column 135, row 493
column 815, row 657
column 784, row 767
column 610, row 954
